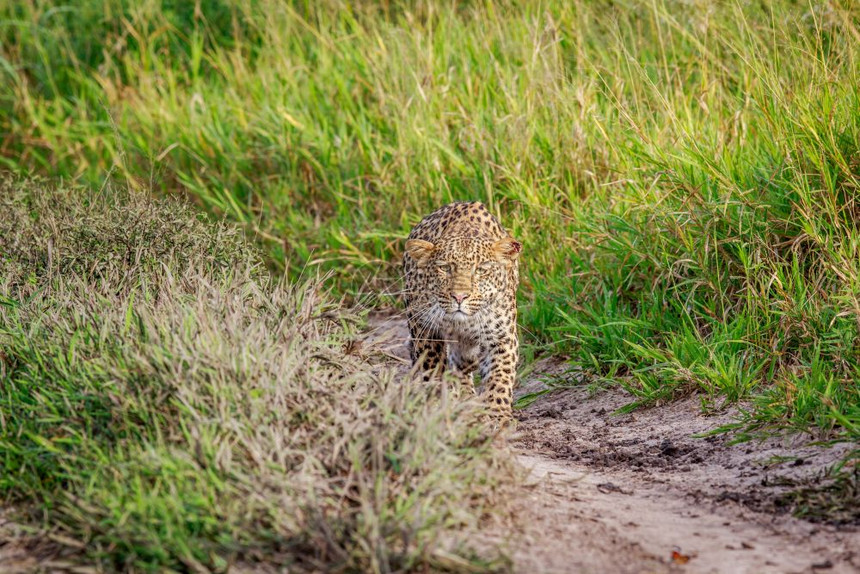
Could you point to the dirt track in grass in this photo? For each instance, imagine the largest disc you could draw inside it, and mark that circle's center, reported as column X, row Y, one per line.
column 637, row 492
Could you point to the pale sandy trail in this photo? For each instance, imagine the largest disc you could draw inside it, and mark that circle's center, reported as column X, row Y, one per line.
column 578, row 522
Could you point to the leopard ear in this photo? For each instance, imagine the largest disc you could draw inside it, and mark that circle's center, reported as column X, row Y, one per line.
column 507, row 249
column 419, row 250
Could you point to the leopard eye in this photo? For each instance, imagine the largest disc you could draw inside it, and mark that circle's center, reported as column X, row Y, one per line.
column 443, row 267
column 485, row 268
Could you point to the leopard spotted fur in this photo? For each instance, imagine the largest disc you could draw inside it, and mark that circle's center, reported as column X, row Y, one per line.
column 461, row 274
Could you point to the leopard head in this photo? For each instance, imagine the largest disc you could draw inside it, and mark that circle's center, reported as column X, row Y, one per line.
column 464, row 274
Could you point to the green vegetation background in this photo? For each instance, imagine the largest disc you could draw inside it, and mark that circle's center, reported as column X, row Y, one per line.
column 685, row 175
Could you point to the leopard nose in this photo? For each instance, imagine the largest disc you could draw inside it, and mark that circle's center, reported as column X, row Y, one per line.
column 460, row 297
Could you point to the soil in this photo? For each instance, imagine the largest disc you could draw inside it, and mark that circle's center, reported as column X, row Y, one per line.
column 640, row 492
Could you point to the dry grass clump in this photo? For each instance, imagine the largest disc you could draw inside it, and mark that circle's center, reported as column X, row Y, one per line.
column 165, row 404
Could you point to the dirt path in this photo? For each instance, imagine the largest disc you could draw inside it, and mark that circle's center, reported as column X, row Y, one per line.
column 652, row 487
column 638, row 493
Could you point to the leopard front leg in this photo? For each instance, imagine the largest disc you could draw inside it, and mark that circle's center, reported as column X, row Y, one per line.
column 498, row 372
column 463, row 360
column 429, row 352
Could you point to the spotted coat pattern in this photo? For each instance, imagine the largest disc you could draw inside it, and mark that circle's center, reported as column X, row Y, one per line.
column 461, row 274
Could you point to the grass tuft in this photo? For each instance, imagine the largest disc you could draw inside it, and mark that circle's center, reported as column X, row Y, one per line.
column 833, row 498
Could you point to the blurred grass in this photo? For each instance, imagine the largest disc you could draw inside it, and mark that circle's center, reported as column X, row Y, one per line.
column 684, row 174
column 167, row 405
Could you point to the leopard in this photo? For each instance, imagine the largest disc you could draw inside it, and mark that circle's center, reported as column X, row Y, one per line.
column 461, row 274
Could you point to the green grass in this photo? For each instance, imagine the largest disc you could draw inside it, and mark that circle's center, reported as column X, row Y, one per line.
column 167, row 405
column 684, row 175
column 833, row 498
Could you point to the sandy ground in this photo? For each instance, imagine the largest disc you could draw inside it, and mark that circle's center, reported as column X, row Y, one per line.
column 636, row 493
column 664, row 500
column 633, row 493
